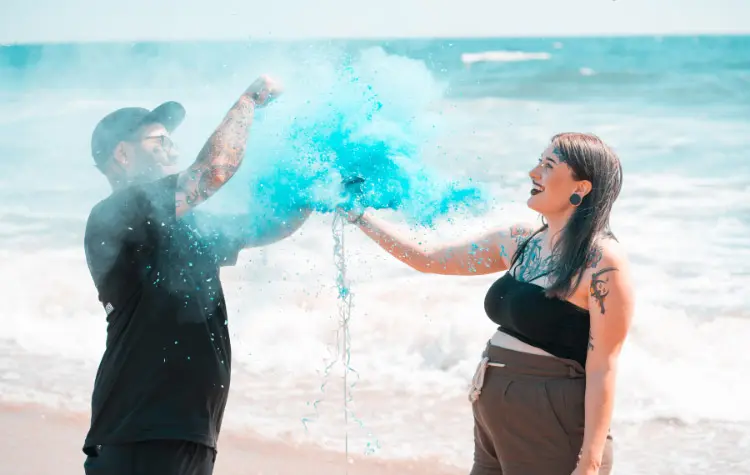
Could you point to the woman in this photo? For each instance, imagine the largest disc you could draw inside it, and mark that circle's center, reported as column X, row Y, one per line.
column 544, row 391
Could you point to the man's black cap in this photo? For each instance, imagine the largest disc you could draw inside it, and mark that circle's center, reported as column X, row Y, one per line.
column 120, row 125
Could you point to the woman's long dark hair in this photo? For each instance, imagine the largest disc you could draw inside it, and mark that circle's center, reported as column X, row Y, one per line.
column 589, row 159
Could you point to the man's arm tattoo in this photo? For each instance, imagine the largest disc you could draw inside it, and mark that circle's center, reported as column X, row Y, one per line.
column 599, row 288
column 219, row 158
column 591, row 342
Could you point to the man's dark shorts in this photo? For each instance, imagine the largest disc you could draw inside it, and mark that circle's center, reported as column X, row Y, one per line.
column 154, row 457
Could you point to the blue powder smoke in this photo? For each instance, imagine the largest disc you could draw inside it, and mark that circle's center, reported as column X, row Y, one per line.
column 368, row 117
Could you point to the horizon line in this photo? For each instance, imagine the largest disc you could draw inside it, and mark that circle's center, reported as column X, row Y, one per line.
column 383, row 38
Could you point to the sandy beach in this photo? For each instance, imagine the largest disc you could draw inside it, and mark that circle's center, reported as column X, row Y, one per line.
column 36, row 440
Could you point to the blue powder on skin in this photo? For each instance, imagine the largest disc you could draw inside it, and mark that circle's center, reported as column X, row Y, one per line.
column 366, row 117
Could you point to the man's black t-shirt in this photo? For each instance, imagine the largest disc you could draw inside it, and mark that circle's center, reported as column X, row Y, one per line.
column 165, row 372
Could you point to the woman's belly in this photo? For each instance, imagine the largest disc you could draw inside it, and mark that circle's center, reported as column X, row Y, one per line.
column 503, row 340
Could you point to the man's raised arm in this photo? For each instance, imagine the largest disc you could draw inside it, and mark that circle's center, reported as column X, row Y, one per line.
column 223, row 152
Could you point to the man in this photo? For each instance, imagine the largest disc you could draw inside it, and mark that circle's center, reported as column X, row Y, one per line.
column 162, row 384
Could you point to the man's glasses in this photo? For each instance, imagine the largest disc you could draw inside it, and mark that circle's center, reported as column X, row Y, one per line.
column 165, row 142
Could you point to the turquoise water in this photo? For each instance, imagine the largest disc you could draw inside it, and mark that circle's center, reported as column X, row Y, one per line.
column 676, row 109
column 653, row 71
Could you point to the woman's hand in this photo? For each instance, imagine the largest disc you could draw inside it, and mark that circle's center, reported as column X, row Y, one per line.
column 581, row 470
column 355, row 216
column 586, row 467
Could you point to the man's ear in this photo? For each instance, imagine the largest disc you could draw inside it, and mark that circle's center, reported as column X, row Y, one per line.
column 120, row 155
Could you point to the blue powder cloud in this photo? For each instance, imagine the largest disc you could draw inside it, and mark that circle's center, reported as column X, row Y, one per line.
column 368, row 116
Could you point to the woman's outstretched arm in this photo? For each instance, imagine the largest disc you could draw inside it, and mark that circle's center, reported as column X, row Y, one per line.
column 484, row 254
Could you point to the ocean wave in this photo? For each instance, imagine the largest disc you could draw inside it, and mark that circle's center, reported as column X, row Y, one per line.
column 502, row 57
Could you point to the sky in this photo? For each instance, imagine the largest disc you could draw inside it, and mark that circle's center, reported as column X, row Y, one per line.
column 41, row 21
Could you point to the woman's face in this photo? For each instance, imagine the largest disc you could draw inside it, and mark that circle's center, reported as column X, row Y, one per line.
column 553, row 184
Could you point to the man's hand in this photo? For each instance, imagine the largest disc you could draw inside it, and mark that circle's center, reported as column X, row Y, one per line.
column 264, row 90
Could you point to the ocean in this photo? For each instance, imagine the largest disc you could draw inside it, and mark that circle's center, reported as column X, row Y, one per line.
column 676, row 109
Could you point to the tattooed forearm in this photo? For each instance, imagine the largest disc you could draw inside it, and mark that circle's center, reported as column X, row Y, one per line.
column 591, row 342
column 219, row 159
column 599, row 288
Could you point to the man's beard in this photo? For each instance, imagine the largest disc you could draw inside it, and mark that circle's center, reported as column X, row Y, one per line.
column 153, row 169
